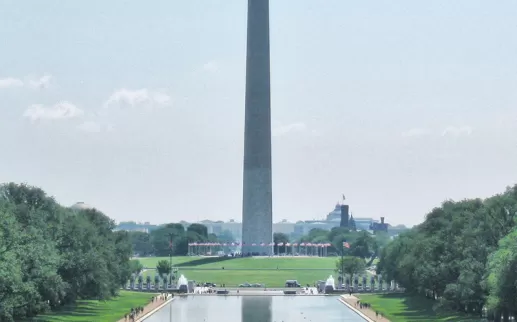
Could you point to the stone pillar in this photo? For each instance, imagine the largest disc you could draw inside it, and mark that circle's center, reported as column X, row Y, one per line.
column 257, row 218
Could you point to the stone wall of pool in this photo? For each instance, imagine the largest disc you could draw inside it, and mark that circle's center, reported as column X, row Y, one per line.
column 258, row 307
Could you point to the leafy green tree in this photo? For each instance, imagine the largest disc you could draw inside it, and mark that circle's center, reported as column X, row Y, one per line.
column 280, row 238
column 199, row 229
column 148, row 281
column 160, row 238
column 163, row 267
column 141, row 243
column 135, row 266
column 351, row 265
column 52, row 255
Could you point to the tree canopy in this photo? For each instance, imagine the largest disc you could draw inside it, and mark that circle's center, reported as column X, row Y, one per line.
column 52, row 255
column 464, row 255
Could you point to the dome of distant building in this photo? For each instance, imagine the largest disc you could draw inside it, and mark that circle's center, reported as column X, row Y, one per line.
column 81, row 206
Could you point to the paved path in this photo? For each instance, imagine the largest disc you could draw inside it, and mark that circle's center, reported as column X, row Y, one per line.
column 159, row 300
column 353, row 301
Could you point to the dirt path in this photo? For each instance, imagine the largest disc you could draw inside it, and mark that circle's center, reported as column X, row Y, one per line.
column 158, row 300
column 353, row 301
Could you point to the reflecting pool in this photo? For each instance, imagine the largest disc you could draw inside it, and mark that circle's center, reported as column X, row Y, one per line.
column 255, row 309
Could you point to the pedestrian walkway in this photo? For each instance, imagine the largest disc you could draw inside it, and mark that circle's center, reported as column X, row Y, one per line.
column 158, row 300
column 354, row 302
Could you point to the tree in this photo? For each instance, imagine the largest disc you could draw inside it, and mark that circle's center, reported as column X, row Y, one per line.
column 199, row 229
column 502, row 268
column 448, row 257
column 163, row 267
column 362, row 246
column 52, row 255
column 280, row 238
column 161, row 244
column 351, row 265
column 141, row 243
column 135, row 266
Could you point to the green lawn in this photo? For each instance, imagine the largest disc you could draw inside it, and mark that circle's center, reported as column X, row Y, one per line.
column 246, row 262
column 88, row 311
column 251, row 269
column 152, row 261
column 409, row 308
column 272, row 278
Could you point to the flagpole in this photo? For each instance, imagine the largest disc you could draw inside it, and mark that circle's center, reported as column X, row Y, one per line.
column 342, row 266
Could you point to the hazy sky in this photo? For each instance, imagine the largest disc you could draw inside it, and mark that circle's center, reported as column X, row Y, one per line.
column 137, row 107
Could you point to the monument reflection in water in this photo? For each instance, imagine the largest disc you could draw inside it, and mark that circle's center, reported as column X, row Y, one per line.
column 257, row 309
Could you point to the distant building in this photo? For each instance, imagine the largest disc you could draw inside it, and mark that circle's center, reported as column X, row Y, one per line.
column 81, row 206
column 340, row 216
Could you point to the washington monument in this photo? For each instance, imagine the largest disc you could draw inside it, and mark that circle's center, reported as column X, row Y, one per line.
column 257, row 217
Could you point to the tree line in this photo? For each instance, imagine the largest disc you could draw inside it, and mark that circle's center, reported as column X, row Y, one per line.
column 51, row 256
column 363, row 244
column 158, row 241
column 464, row 255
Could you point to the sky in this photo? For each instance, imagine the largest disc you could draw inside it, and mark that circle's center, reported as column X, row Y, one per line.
column 137, row 107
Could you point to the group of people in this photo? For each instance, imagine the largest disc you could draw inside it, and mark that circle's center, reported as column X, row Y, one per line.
column 136, row 311
column 365, row 305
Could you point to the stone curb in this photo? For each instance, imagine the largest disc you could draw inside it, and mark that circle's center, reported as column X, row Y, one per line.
column 342, row 300
column 148, row 315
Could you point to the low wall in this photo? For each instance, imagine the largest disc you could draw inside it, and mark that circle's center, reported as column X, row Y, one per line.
column 148, row 315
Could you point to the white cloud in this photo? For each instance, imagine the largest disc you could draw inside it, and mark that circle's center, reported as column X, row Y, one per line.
column 144, row 97
column 10, row 82
column 290, row 128
column 416, row 132
column 40, row 83
column 457, row 131
column 30, row 82
column 60, row 111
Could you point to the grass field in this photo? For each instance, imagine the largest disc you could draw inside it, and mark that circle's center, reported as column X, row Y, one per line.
column 306, row 270
column 88, row 311
column 246, row 262
column 410, row 308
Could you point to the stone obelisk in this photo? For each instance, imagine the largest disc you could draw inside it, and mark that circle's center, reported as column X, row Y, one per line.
column 257, row 218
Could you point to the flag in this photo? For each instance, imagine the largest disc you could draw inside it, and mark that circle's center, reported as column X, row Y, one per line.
column 344, row 197
column 170, row 244
column 345, row 244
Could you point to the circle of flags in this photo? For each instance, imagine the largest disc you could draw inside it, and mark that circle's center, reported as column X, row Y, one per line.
column 315, row 249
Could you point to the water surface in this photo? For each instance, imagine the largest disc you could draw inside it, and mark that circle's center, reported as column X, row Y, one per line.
column 255, row 309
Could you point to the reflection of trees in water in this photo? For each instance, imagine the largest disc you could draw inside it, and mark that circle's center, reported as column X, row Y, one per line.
column 256, row 309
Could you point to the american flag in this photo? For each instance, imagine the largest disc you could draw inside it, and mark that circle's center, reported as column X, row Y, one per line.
column 346, row 244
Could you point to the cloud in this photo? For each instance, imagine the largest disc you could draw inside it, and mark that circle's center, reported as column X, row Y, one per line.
column 60, row 111
column 211, row 66
column 30, row 82
column 457, row 131
column 10, row 82
column 416, row 132
column 143, row 97
column 40, row 83
column 290, row 128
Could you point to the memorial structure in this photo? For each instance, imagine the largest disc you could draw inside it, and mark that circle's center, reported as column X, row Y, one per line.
column 257, row 218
